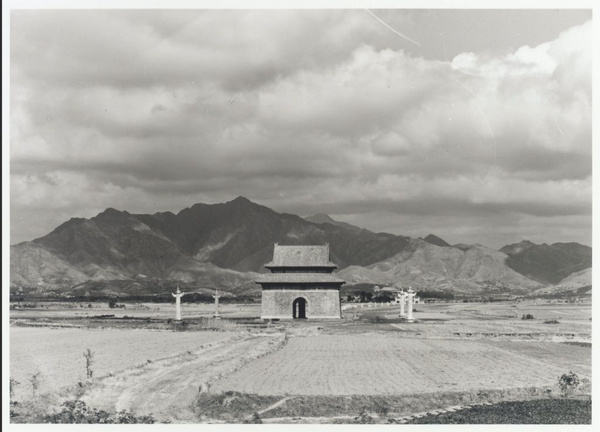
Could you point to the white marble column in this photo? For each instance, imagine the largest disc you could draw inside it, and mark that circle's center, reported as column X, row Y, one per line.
column 216, row 296
column 402, row 301
column 411, row 296
column 178, row 294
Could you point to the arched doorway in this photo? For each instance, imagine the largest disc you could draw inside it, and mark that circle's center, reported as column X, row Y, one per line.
column 299, row 308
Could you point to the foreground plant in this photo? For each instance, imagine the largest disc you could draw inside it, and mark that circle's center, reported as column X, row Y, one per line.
column 542, row 412
column 76, row 411
column 35, row 380
column 568, row 383
column 12, row 385
column 89, row 360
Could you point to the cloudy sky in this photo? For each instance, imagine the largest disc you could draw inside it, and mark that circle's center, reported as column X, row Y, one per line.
column 473, row 125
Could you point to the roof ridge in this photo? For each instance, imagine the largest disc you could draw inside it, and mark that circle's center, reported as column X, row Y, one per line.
column 301, row 256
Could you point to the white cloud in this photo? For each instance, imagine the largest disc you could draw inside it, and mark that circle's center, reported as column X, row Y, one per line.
column 294, row 109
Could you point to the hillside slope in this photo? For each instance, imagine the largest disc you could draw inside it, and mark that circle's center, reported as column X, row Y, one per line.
column 427, row 266
column 545, row 263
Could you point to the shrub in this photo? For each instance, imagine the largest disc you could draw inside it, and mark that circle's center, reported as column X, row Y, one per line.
column 381, row 408
column 568, row 383
column 364, row 418
column 76, row 411
column 180, row 325
column 254, row 420
column 89, row 359
column 527, row 317
column 231, row 405
column 35, row 381
column 537, row 412
column 13, row 384
column 552, row 322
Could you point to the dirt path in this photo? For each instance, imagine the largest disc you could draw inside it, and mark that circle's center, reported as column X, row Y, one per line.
column 272, row 407
column 167, row 388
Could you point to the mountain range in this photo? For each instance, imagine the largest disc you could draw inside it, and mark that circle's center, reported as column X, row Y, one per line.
column 226, row 245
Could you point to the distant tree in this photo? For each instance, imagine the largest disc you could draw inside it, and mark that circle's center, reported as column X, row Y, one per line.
column 363, row 296
column 350, row 298
column 112, row 302
column 89, row 360
column 369, row 296
column 382, row 298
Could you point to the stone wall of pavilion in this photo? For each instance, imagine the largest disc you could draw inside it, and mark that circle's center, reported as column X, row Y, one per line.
column 321, row 303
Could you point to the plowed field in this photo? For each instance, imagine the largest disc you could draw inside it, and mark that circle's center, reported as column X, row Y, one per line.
column 377, row 364
column 58, row 353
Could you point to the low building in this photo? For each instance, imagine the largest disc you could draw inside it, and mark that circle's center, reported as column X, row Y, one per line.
column 301, row 284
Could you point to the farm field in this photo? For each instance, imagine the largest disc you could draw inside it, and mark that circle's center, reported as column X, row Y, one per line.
column 166, row 389
column 58, row 310
column 379, row 364
column 473, row 348
column 57, row 354
column 551, row 321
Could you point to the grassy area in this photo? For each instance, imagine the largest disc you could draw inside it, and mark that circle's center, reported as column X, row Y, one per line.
column 235, row 406
column 546, row 411
column 231, row 406
column 72, row 412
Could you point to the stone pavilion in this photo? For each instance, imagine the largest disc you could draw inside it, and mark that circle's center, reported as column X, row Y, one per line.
column 300, row 284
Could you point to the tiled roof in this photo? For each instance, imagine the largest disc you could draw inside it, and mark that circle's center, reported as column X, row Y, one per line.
column 299, row 278
column 301, row 256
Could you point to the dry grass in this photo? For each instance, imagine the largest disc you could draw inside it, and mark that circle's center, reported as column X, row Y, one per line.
column 234, row 407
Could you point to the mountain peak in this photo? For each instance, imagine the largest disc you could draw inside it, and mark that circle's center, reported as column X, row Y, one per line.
column 320, row 218
column 111, row 213
column 516, row 248
column 240, row 200
column 435, row 240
